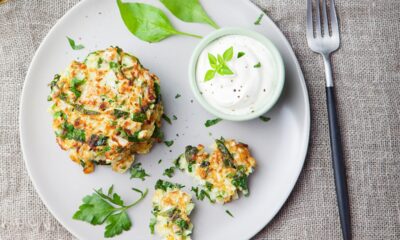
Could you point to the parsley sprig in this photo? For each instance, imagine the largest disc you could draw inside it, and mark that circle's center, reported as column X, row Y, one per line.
column 218, row 64
column 109, row 208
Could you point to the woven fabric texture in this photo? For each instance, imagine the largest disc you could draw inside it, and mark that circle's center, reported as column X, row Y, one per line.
column 367, row 78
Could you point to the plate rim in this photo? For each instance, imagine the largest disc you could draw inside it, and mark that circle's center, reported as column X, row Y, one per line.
column 305, row 137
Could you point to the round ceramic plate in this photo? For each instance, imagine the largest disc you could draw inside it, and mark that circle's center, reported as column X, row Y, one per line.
column 279, row 145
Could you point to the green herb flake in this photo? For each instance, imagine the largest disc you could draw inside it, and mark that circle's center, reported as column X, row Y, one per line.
column 169, row 172
column 166, row 118
column 212, row 122
column 73, row 44
column 258, row 21
column 258, row 65
column 169, row 143
column 177, row 96
column 174, row 117
column 229, row 213
column 147, row 22
column 264, row 119
column 138, row 172
column 159, row 161
column 99, row 208
column 240, row 54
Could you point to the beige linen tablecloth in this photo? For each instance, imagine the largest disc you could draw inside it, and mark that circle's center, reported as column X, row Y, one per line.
column 367, row 76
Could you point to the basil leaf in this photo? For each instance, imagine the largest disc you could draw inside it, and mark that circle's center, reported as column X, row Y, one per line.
column 221, row 59
column 213, row 60
column 189, row 11
column 228, row 54
column 147, row 22
column 73, row 44
column 225, row 70
column 209, row 75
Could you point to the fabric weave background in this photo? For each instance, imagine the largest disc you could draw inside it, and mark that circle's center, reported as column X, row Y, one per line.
column 367, row 77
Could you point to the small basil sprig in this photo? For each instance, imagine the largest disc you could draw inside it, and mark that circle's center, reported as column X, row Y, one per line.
column 218, row 64
column 147, row 22
column 189, row 11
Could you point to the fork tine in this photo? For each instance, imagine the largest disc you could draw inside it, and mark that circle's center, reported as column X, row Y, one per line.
column 318, row 21
column 310, row 31
column 334, row 21
column 325, row 19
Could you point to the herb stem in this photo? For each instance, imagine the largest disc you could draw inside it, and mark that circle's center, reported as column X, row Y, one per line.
column 188, row 34
column 137, row 201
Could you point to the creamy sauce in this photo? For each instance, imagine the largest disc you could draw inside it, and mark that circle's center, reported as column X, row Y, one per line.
column 249, row 87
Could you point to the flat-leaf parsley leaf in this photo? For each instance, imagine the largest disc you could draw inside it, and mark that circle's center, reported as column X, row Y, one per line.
column 100, row 208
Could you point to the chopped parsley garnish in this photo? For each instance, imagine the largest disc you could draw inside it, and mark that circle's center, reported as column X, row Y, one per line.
column 108, row 208
column 174, row 117
column 75, row 83
column 99, row 62
column 258, row 21
column 72, row 133
column 152, row 224
column 73, row 45
column 82, row 109
column 97, row 140
column 158, row 134
column 55, row 80
column 119, row 113
column 169, row 172
column 177, row 96
column 165, row 185
column 182, row 224
column 139, row 117
column 212, row 122
column 114, row 65
column 229, row 213
column 138, row 172
column 166, row 118
column 159, row 161
column 169, row 143
column 201, row 194
column 240, row 54
column 264, row 119
column 258, row 65
column 240, row 181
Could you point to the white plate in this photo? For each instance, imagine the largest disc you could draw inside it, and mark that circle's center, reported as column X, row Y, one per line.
column 279, row 145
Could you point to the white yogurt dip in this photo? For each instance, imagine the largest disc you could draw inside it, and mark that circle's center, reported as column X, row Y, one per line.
column 253, row 79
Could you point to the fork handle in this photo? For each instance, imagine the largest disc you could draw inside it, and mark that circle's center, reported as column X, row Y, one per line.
column 338, row 165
